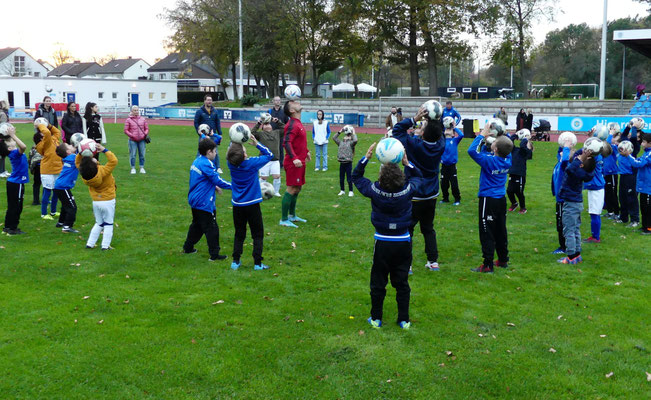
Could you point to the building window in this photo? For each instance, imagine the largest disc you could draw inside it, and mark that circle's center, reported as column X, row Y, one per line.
column 115, row 95
column 100, row 95
column 19, row 65
column 151, row 77
column 163, row 95
column 151, row 95
column 175, row 75
column 161, row 76
column 37, row 74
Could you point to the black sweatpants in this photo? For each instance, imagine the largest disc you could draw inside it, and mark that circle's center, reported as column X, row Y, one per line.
column 611, row 203
column 345, row 169
column 628, row 199
column 15, row 195
column 449, row 178
column 645, row 210
column 36, row 186
column 390, row 259
column 68, row 207
column 516, row 188
column 242, row 216
column 559, row 225
column 203, row 223
column 423, row 212
column 492, row 229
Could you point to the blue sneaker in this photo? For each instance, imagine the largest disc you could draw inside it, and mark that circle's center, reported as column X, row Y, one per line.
column 558, row 251
column 235, row 265
column 260, row 267
column 411, row 272
column 294, row 218
column 405, row 324
column 456, row 203
column 287, row 223
column 375, row 323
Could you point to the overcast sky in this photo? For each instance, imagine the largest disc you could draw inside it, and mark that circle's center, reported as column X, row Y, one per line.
column 132, row 28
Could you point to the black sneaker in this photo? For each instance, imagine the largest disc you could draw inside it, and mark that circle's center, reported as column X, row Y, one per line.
column 219, row 257
column 69, row 230
column 58, row 225
column 5, row 230
column 498, row 263
column 36, row 203
column 445, row 201
column 90, row 247
column 190, row 252
column 17, row 231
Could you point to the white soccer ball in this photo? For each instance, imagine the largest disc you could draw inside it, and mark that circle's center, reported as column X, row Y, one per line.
column 625, row 147
column 76, row 138
column 204, row 129
column 565, row 136
column 448, row 122
column 348, row 130
column 265, row 118
column 390, row 150
column 4, row 129
column 600, row 131
column 613, row 128
column 594, row 144
column 433, row 108
column 638, row 123
column 524, row 134
column 87, row 148
column 41, row 121
column 496, row 127
column 267, row 190
column 239, row 133
column 293, row 92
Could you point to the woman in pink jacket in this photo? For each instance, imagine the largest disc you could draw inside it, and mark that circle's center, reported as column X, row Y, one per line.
column 136, row 128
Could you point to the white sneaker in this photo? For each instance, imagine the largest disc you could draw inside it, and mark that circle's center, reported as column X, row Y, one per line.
column 316, row 169
column 432, row 266
column 278, row 194
column 219, row 171
column 341, row 193
column 142, row 170
column 350, row 194
column 133, row 171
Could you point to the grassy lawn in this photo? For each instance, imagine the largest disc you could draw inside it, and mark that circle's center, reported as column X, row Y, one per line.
column 145, row 321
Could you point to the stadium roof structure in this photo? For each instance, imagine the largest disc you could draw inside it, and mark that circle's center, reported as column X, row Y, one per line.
column 636, row 39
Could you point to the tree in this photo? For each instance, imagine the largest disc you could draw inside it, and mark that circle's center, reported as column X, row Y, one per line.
column 519, row 16
column 61, row 55
column 105, row 59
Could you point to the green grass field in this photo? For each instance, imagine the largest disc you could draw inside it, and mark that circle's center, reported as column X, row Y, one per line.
column 146, row 321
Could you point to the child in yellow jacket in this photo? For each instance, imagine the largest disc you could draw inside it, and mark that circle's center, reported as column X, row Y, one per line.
column 101, row 185
column 47, row 139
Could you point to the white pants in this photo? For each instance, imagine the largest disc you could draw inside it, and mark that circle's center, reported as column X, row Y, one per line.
column 595, row 201
column 104, row 212
column 270, row 168
column 48, row 180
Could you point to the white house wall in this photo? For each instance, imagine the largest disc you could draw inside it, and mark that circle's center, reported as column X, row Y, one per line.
column 32, row 67
column 137, row 70
column 114, row 91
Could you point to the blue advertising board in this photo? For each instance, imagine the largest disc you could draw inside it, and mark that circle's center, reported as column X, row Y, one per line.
column 585, row 123
column 246, row 115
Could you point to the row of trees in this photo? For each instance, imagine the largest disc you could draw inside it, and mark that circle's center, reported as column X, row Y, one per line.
column 312, row 37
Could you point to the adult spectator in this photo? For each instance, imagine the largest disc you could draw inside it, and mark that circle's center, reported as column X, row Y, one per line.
column 93, row 125
column 137, row 129
column 207, row 114
column 520, row 120
column 393, row 118
column 450, row 111
column 320, row 136
column 277, row 112
column 528, row 123
column 296, row 156
column 71, row 122
column 4, row 117
column 46, row 111
column 501, row 114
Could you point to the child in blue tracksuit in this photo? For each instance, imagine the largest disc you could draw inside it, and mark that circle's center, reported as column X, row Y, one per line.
column 201, row 197
column 391, row 207
column 596, row 196
column 246, row 199
column 14, row 148
column 579, row 170
column 449, row 160
column 563, row 158
column 63, row 188
column 518, row 173
column 628, row 206
column 643, row 166
column 611, row 179
column 425, row 153
column 492, row 200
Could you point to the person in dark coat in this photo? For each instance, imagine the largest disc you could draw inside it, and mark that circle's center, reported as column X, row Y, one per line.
column 71, row 122
column 520, row 119
column 528, row 123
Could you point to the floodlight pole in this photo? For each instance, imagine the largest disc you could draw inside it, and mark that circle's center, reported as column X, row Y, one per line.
column 241, row 60
column 450, row 74
column 621, row 100
column 604, row 33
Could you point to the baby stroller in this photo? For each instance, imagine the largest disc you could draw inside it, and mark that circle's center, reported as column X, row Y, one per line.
column 541, row 130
